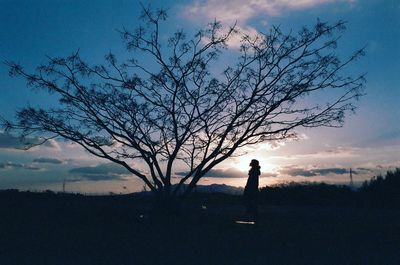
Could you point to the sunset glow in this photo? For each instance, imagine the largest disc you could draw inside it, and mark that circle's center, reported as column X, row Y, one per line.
column 242, row 163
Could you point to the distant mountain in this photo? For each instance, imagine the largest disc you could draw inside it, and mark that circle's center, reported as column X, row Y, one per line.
column 213, row 188
column 219, row 188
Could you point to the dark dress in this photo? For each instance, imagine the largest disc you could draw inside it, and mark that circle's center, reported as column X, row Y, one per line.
column 250, row 194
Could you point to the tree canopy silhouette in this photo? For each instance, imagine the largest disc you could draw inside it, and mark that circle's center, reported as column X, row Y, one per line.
column 169, row 104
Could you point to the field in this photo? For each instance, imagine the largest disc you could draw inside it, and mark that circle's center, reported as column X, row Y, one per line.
column 44, row 228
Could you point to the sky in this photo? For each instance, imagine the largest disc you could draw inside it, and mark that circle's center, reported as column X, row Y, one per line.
column 369, row 141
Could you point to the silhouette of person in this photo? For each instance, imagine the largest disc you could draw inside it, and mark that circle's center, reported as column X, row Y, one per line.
column 250, row 194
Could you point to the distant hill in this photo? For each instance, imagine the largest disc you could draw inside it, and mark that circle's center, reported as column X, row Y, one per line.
column 219, row 188
column 216, row 188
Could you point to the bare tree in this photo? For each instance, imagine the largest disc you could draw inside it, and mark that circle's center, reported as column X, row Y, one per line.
column 170, row 104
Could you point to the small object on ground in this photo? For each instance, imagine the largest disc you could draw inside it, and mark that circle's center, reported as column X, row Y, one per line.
column 245, row 222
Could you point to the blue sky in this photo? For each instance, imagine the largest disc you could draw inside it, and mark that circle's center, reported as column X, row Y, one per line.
column 369, row 142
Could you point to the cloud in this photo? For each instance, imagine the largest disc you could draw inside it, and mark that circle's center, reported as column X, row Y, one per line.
column 304, row 172
column 95, row 177
column 363, row 169
column 236, row 10
column 340, row 150
column 326, row 171
column 47, row 160
column 296, row 171
column 12, row 165
column 388, row 166
column 333, row 153
column 227, row 173
column 107, row 171
column 29, row 167
column 8, row 141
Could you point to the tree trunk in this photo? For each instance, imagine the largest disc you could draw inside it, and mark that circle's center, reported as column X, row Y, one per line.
column 166, row 203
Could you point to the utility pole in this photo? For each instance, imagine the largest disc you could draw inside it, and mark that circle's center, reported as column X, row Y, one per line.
column 351, row 178
column 63, row 186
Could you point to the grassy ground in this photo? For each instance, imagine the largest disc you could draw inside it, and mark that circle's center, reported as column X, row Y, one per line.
column 59, row 229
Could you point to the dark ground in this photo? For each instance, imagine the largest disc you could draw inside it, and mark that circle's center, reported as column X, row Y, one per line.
column 72, row 229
